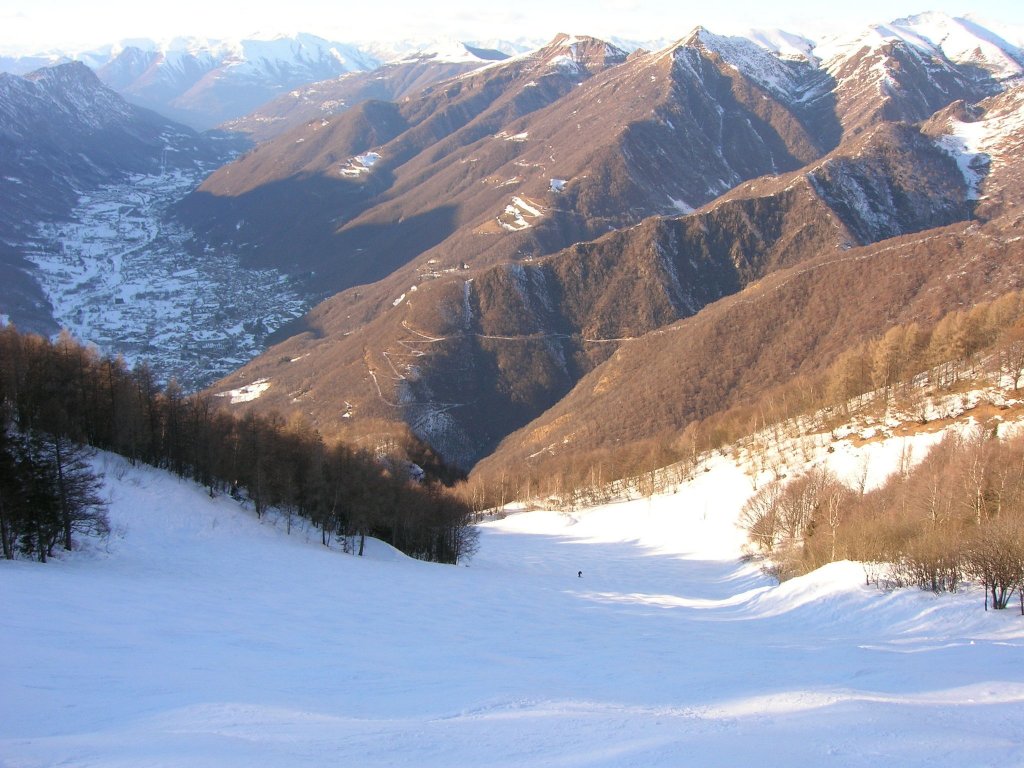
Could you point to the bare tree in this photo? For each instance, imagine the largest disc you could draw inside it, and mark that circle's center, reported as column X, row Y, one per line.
column 995, row 557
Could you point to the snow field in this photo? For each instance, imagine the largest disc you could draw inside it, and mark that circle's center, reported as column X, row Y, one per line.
column 200, row 637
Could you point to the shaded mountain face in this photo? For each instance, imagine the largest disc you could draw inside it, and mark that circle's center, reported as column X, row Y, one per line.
column 62, row 133
column 795, row 322
column 798, row 319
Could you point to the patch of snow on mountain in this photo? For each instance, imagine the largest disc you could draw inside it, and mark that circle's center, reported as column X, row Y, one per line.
column 976, row 145
column 513, row 220
column 566, row 63
column 248, row 393
column 359, row 164
column 522, row 204
column 681, row 205
column 368, row 160
column 514, row 217
column 963, row 145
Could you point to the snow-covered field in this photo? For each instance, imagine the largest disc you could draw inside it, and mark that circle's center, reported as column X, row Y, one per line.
column 120, row 274
column 200, row 637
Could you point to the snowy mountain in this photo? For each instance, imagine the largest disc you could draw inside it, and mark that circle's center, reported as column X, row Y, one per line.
column 453, row 51
column 629, row 633
column 398, row 50
column 202, row 83
column 980, row 55
column 959, row 40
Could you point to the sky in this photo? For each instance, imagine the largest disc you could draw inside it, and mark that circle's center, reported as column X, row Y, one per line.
column 28, row 26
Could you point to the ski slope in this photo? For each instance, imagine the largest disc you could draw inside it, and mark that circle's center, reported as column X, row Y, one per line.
column 200, row 637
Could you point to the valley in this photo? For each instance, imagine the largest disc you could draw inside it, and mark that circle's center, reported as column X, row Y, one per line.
column 127, row 277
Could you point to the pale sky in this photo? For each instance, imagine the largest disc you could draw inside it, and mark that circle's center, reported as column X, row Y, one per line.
column 37, row 25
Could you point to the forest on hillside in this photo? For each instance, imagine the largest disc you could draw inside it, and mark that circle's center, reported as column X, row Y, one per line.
column 955, row 517
column 59, row 400
column 906, row 366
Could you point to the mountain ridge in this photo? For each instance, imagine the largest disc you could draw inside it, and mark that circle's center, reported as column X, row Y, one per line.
column 499, row 235
column 448, row 369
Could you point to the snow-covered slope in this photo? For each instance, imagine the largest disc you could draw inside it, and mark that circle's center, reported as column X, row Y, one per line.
column 200, row 637
column 963, row 41
column 785, row 44
column 392, row 51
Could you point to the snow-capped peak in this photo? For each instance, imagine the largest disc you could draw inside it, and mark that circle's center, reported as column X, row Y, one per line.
column 452, row 51
column 966, row 42
column 956, row 39
column 756, row 60
column 784, row 44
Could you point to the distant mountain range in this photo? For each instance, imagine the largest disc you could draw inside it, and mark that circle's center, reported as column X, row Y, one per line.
column 203, row 83
column 584, row 246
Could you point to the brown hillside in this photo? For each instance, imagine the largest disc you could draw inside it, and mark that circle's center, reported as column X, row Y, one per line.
column 519, row 159
column 791, row 323
column 464, row 358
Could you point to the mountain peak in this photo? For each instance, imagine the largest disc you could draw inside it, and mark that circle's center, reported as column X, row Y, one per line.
column 453, row 51
column 581, row 52
column 760, row 62
column 694, row 38
column 71, row 71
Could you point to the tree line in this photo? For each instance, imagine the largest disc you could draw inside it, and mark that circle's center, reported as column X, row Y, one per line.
column 59, row 398
column 958, row 515
column 902, row 366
